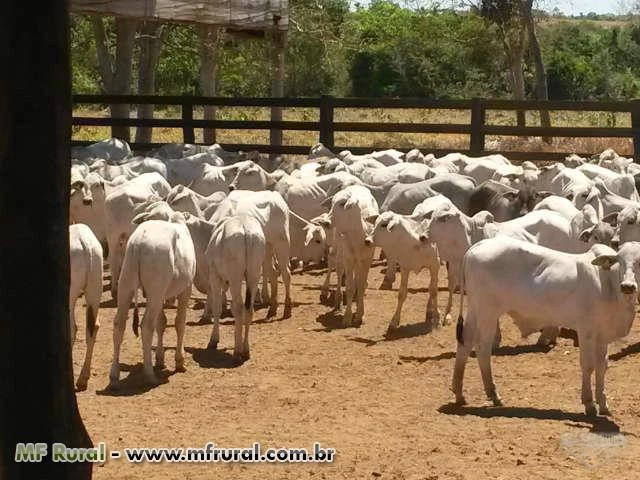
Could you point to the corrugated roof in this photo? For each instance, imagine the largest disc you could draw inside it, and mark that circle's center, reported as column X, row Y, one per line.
column 233, row 14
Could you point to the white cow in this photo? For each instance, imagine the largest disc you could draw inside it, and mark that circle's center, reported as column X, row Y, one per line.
column 235, row 254
column 85, row 254
column 398, row 236
column 160, row 259
column 453, row 232
column 119, row 208
column 270, row 209
column 353, row 211
column 592, row 293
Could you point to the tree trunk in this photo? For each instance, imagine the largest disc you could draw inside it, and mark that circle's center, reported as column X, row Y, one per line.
column 116, row 74
column 37, row 398
column 278, row 45
column 542, row 93
column 209, row 37
column 151, row 40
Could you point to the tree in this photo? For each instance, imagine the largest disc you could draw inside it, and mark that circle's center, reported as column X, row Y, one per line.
column 37, row 398
column 515, row 22
column 151, row 39
column 116, row 71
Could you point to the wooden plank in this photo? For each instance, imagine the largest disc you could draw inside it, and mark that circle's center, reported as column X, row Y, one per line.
column 375, row 102
column 178, row 123
column 401, row 127
column 492, row 104
column 177, row 100
column 558, row 131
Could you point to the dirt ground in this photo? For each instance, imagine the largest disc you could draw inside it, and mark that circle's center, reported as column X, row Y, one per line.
column 383, row 403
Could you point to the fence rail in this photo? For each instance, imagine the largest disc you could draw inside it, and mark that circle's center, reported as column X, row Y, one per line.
column 477, row 129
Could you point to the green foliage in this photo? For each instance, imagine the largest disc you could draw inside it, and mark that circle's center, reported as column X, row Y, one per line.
column 386, row 49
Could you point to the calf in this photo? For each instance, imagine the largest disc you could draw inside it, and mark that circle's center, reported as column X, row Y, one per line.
column 85, row 253
column 592, row 293
column 235, row 254
column 397, row 236
column 353, row 210
column 160, row 259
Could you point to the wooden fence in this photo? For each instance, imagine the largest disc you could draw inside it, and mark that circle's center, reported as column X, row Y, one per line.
column 477, row 128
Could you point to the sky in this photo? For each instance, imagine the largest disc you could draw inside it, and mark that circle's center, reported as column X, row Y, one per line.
column 575, row 7
column 567, row 7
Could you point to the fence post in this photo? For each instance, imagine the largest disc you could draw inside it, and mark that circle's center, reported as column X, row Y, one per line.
column 188, row 133
column 478, row 115
column 326, row 121
column 635, row 124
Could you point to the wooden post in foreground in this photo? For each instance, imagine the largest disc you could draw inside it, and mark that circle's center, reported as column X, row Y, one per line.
column 37, row 398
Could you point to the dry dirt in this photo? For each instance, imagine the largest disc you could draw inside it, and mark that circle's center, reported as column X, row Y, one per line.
column 382, row 403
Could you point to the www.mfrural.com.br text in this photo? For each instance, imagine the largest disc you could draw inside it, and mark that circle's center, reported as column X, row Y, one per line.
column 59, row 452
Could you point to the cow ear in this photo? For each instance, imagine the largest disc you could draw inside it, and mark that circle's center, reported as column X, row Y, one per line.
column 605, row 262
column 569, row 196
column 611, row 219
column 138, row 219
column 392, row 223
column 372, row 219
column 510, row 195
column 585, row 235
column 543, row 194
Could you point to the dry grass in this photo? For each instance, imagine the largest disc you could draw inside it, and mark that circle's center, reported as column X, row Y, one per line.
column 424, row 141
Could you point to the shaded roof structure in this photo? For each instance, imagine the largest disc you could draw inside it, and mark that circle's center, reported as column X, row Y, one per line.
column 235, row 15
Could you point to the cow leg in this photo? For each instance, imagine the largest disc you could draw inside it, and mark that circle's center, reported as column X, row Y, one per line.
column 215, row 289
column 119, row 323
column 601, row 369
column 433, row 316
column 497, row 337
column 116, row 255
column 151, row 316
column 208, row 310
column 324, row 289
column 483, row 352
column 361, row 274
column 467, row 331
column 349, row 291
column 340, row 276
column 282, row 255
column 270, row 272
column 161, row 325
column 181, row 320
column 402, row 296
column 451, row 286
column 237, row 308
column 91, row 331
column 548, row 336
column 587, row 364
column 389, row 275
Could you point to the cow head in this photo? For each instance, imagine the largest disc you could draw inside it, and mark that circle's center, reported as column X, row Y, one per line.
column 251, row 176
column 627, row 223
column 316, row 230
column 628, row 259
column 521, row 202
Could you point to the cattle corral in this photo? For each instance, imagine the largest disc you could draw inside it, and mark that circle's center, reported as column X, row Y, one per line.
column 383, row 403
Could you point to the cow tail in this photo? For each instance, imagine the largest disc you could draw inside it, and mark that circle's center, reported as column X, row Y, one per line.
column 460, row 323
column 136, row 315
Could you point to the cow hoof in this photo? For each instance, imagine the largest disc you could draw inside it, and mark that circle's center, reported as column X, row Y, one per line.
column 114, row 385
column 272, row 312
column 160, row 366
column 204, row 321
column 212, row 346
column 386, row 285
column 590, row 411
column 460, row 401
column 497, row 402
column 392, row 329
column 180, row 368
column 605, row 411
column 81, row 386
column 287, row 312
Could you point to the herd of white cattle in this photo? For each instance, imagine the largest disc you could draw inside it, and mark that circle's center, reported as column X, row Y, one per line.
column 552, row 246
